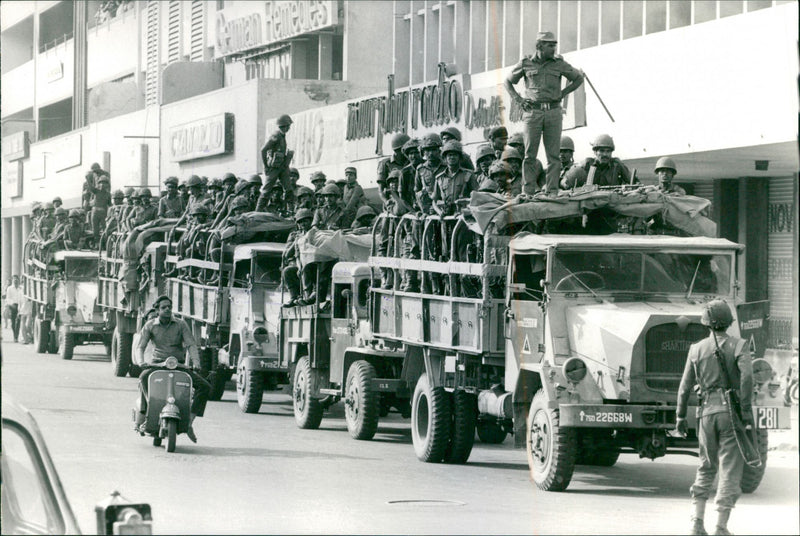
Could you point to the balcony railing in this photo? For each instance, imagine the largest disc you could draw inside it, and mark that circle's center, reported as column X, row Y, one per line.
column 55, row 42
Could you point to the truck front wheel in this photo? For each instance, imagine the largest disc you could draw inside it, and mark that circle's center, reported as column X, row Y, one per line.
column 120, row 361
column 751, row 476
column 66, row 345
column 430, row 421
column 249, row 390
column 307, row 409
column 551, row 449
column 362, row 403
column 41, row 335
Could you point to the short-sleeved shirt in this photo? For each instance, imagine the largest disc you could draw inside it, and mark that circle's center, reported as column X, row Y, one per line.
column 170, row 339
column 614, row 173
column 450, row 187
column 543, row 77
column 170, row 207
column 424, row 183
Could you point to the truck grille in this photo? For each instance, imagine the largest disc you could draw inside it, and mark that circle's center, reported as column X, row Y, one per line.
column 666, row 348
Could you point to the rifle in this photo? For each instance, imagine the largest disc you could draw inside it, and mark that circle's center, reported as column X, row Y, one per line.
column 745, row 434
column 589, row 183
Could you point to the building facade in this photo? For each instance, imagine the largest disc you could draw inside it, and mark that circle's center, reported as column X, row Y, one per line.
column 710, row 83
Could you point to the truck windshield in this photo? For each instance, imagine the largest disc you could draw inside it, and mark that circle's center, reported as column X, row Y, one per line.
column 617, row 271
column 80, row 268
column 267, row 269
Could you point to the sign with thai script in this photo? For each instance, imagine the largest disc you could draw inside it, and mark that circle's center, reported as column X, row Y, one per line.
column 247, row 25
column 206, row 137
column 13, row 178
column 16, row 146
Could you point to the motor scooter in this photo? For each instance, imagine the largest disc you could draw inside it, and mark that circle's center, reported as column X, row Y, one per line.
column 169, row 399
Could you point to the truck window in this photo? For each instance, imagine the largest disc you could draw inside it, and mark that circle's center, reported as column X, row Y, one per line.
column 528, row 270
column 339, row 300
column 240, row 272
column 77, row 268
column 579, row 271
column 678, row 272
column 267, row 269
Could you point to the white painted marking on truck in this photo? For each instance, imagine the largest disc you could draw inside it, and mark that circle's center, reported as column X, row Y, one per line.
column 526, row 346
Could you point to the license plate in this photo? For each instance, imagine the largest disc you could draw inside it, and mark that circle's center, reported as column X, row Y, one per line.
column 767, row 418
column 81, row 329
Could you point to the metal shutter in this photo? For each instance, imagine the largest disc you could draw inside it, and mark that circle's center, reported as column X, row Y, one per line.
column 174, row 32
column 705, row 189
column 198, row 33
column 780, row 225
column 152, row 54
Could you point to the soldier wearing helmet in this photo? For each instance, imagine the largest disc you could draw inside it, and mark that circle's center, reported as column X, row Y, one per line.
column 398, row 159
column 114, row 213
column 517, row 142
column 47, row 219
column 484, row 158
column 452, row 133
column 719, row 451
column 665, row 172
column 304, row 198
column 100, row 201
column 72, row 235
column 393, row 208
column 501, row 173
column 289, row 265
column 62, row 218
column 414, row 158
column 488, row 186
column 498, row 137
column 171, row 206
column 57, row 202
column 330, row 215
column 542, row 105
column 353, row 197
column 190, row 245
column 196, row 196
column 215, row 191
column 276, row 159
column 454, row 182
column 145, row 212
column 566, row 154
column 36, row 217
column 275, row 204
column 365, row 217
column 609, row 170
column 425, row 179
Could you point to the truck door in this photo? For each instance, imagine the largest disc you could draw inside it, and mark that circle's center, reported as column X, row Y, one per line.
column 524, row 316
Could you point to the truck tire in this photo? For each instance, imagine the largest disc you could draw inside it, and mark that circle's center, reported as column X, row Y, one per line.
column 307, row 409
column 41, row 335
column 218, row 380
column 66, row 345
column 490, row 432
column 249, row 390
column 119, row 362
column 465, row 408
column 430, row 421
column 362, row 404
column 126, row 345
column 551, row 449
column 52, row 338
column 752, row 476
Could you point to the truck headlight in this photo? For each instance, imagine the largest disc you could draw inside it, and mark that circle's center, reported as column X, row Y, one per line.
column 260, row 335
column 575, row 369
column 71, row 310
column 762, row 370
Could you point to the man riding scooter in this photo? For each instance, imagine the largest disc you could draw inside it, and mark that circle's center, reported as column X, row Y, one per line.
column 171, row 337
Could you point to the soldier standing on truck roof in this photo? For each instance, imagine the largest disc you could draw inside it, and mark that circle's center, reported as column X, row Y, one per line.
column 610, row 171
column 289, row 265
column 454, row 182
column 452, row 133
column 718, row 446
column 567, row 162
column 101, row 200
column 517, row 142
column 353, row 197
column 276, row 158
column 542, row 105
column 171, row 206
column 406, row 187
column 665, row 171
column 329, row 216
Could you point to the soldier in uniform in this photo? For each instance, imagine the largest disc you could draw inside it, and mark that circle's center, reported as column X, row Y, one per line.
column 393, row 207
column 101, row 200
column 145, row 212
column 365, row 218
column 406, row 188
column 454, row 182
column 498, row 137
column 489, row 186
column 353, row 197
column 566, row 155
column 318, row 180
column 171, row 206
column 719, row 451
column 183, row 191
column 452, row 133
column 398, row 160
column 36, row 219
column 276, row 158
column 215, row 190
column 304, row 198
column 114, row 213
column 666, row 171
column 500, row 172
column 425, row 179
column 610, row 171
column 289, row 264
column 48, row 216
column 484, row 159
column 72, row 236
column 62, row 219
column 542, row 105
column 517, row 185
column 329, row 216
column 275, row 204
column 57, row 202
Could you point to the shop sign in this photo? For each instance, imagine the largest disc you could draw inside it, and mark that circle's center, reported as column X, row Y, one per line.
column 236, row 32
column 206, row 137
column 316, row 136
column 66, row 152
column 290, row 18
column 780, row 217
column 54, row 69
column 13, row 178
column 16, row 146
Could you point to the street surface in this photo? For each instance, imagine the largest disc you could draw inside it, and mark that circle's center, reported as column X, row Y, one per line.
column 261, row 474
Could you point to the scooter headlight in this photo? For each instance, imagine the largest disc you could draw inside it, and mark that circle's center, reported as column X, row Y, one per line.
column 171, row 363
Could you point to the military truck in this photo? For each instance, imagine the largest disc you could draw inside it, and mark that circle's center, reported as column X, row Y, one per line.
column 61, row 285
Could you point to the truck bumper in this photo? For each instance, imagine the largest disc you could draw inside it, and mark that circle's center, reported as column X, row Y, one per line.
column 263, row 363
column 87, row 329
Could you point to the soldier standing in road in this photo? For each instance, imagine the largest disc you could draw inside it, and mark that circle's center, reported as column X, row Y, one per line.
column 542, row 105
column 718, row 447
column 276, row 158
column 666, row 171
column 171, row 206
column 610, row 171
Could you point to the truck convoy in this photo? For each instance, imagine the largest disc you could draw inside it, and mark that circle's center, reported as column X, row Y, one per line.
column 565, row 322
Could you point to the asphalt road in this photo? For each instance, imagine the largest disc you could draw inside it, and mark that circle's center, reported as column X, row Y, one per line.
column 261, row 474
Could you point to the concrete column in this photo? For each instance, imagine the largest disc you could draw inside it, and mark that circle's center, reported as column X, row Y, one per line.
column 27, row 227
column 325, row 57
column 16, row 245
column 6, row 250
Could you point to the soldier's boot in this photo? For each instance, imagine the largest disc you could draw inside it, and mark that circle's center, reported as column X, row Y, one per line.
column 387, row 278
column 698, row 514
column 410, row 282
column 723, row 514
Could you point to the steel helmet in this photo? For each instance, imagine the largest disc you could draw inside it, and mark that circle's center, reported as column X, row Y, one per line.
column 102, row 178
column 229, row 177
column 413, row 143
column 499, row 167
column 717, row 315
column 171, row 180
column 57, row 199
column 318, row 176
column 666, row 162
column 215, row 184
column 284, row 121
column 76, row 213
column 365, row 210
column 603, row 141
column 144, row 192
column 95, row 167
column 498, row 132
column 452, row 131
column 331, row 189
column 255, row 179
column 48, row 206
column 199, row 208
column 61, row 211
column 240, row 186
column 394, row 175
column 430, row 140
column 194, row 180
column 516, row 139
column 488, row 185
column 303, row 214
column 118, row 194
column 204, row 180
column 484, row 151
column 36, row 206
column 293, row 171
column 452, row 146
column 398, row 140
column 567, row 144
column 129, row 191
column 509, row 153
column 240, row 202
column 301, row 191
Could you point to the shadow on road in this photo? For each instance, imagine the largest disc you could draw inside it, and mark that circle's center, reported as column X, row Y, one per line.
column 92, row 357
column 263, row 452
column 500, row 465
column 393, row 435
column 662, row 480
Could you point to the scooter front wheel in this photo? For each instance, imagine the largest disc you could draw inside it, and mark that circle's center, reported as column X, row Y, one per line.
column 172, row 432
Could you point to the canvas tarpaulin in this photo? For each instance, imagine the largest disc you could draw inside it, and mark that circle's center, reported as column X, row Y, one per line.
column 322, row 246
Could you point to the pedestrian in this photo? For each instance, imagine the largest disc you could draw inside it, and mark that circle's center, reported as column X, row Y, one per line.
column 276, row 158
column 13, row 300
column 665, row 171
column 25, row 326
column 541, row 106
column 719, row 451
